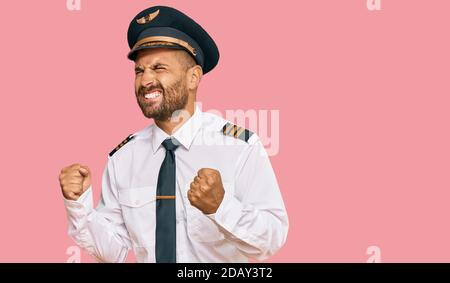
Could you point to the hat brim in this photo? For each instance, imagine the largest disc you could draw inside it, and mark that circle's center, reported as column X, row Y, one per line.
column 132, row 55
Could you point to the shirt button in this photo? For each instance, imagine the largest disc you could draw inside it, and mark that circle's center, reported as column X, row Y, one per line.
column 136, row 202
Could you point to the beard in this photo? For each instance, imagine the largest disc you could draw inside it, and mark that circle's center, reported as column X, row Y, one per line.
column 173, row 98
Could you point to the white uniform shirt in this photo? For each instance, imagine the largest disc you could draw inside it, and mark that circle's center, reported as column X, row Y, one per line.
column 251, row 221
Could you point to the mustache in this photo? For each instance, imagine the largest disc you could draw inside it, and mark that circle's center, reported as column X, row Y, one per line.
column 144, row 90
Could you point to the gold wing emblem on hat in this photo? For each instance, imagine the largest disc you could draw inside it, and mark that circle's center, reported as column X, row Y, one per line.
column 150, row 17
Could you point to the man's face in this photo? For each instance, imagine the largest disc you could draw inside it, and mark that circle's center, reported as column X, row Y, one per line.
column 160, row 84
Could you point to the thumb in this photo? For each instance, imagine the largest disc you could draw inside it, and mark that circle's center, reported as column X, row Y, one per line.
column 83, row 171
column 86, row 177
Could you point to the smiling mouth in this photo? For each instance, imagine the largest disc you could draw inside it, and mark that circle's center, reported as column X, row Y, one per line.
column 152, row 95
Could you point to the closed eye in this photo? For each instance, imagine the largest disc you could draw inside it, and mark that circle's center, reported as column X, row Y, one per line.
column 159, row 67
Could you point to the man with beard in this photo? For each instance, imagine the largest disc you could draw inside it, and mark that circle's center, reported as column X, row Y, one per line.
column 192, row 187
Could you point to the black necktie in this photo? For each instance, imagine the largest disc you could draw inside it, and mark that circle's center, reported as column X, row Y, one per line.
column 165, row 207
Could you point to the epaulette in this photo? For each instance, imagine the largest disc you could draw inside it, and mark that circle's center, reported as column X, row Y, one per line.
column 124, row 142
column 236, row 131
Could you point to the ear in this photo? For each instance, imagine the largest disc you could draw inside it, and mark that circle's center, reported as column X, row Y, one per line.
column 194, row 77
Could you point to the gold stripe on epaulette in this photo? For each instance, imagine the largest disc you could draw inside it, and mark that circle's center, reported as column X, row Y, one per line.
column 238, row 133
column 228, row 129
column 124, row 142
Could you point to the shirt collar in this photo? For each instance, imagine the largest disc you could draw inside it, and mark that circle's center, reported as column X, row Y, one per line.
column 184, row 135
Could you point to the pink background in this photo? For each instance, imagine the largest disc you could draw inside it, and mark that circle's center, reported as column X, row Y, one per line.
column 364, row 121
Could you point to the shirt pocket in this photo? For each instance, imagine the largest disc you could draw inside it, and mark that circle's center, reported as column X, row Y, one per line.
column 138, row 211
column 200, row 227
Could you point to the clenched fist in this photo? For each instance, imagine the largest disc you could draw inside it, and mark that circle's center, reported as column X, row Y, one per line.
column 74, row 181
column 206, row 192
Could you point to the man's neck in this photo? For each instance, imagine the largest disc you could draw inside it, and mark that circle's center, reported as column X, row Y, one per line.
column 170, row 125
